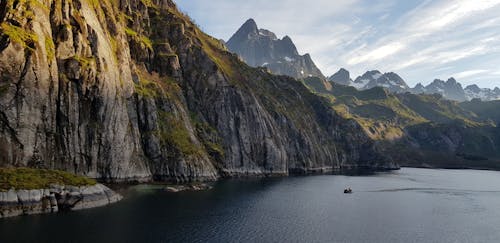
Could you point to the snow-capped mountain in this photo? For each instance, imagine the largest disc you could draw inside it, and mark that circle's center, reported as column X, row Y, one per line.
column 391, row 81
column 450, row 89
column 474, row 92
column 262, row 48
column 370, row 79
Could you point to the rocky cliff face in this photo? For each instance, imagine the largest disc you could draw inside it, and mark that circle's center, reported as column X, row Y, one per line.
column 261, row 48
column 133, row 90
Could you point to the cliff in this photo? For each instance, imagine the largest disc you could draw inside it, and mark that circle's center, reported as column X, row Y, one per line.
column 133, row 90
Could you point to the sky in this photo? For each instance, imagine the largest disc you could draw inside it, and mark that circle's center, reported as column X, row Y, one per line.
column 419, row 40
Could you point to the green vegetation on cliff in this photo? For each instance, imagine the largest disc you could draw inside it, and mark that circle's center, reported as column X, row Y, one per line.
column 420, row 129
column 384, row 114
column 19, row 35
column 27, row 179
column 487, row 111
column 173, row 132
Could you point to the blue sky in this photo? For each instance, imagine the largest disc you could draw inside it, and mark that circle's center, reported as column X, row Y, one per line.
column 420, row 40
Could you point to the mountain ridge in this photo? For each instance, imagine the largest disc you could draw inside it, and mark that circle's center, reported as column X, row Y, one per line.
column 450, row 89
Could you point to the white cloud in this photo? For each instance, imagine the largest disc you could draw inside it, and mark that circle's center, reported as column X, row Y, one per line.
column 377, row 54
column 419, row 40
column 469, row 73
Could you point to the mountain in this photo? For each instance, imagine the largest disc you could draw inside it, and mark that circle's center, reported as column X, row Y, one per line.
column 485, row 94
column 261, row 48
column 418, row 89
column 453, row 90
column 341, row 77
column 423, row 130
column 450, row 89
column 486, row 110
column 370, row 79
column 135, row 91
column 391, row 81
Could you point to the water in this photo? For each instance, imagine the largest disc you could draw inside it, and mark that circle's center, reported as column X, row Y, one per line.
column 410, row 205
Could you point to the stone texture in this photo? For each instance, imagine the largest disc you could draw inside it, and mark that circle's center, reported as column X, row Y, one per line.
column 54, row 199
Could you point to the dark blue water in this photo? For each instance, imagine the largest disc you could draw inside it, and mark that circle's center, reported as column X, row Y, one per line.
column 410, row 205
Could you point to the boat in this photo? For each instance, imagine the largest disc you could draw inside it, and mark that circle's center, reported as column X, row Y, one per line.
column 348, row 190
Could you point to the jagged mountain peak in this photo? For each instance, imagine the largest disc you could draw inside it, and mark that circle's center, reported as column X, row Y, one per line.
column 374, row 78
column 248, row 30
column 449, row 89
column 342, row 71
column 437, row 81
column 373, row 74
column 453, row 82
column 261, row 47
column 342, row 76
column 287, row 38
column 250, row 22
column 475, row 92
column 249, row 26
column 473, row 88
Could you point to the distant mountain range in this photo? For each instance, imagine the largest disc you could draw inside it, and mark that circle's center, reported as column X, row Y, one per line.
column 262, row 48
column 450, row 89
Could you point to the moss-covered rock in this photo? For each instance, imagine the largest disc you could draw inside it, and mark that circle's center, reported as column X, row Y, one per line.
column 28, row 178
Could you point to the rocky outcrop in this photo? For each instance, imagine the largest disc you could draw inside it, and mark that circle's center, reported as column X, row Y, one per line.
column 54, row 199
column 133, row 90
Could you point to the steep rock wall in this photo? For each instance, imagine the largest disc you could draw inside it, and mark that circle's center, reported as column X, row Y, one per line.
column 133, row 90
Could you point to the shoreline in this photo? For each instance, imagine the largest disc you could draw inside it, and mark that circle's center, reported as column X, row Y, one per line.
column 70, row 198
column 55, row 199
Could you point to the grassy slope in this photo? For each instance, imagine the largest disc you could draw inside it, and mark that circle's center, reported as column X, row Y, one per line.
column 400, row 120
column 27, row 178
column 485, row 110
column 400, row 110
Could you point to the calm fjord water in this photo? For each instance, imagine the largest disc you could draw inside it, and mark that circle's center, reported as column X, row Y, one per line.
column 410, row 205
